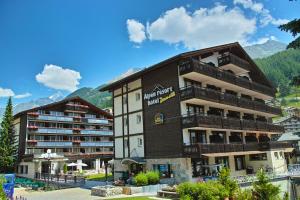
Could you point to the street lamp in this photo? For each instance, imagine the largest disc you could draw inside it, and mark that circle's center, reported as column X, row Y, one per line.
column 49, row 163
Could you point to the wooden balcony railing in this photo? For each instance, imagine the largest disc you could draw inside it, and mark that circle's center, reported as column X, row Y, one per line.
column 212, row 121
column 198, row 148
column 225, row 98
column 229, row 58
column 193, row 65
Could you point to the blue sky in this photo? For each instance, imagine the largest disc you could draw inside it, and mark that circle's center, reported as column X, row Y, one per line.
column 60, row 45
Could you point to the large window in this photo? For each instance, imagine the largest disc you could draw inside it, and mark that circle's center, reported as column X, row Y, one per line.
column 165, row 170
column 218, row 137
column 258, row 157
column 198, row 136
column 197, row 166
column 239, row 162
column 224, row 160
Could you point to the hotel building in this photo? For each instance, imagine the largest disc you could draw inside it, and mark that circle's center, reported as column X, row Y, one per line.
column 74, row 129
column 191, row 114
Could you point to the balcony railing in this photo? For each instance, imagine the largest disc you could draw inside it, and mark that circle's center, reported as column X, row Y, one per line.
column 212, row 121
column 225, row 98
column 98, row 144
column 97, row 132
column 54, row 131
column 98, row 121
column 54, row 144
column 55, row 118
column 198, row 148
column 230, row 58
column 211, row 71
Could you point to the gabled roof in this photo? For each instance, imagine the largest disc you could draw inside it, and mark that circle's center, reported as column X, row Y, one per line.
column 283, row 119
column 290, row 136
column 77, row 98
column 259, row 73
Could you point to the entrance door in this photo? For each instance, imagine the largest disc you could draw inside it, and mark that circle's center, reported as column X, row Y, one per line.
column 136, row 168
column 45, row 167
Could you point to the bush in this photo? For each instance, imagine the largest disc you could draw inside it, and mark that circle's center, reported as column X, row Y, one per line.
column 245, row 194
column 2, row 194
column 153, row 177
column 141, row 179
column 211, row 190
column 65, row 168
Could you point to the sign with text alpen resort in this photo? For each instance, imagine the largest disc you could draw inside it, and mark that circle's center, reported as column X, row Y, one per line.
column 159, row 95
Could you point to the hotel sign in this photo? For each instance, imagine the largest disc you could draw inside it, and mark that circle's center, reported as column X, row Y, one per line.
column 159, row 95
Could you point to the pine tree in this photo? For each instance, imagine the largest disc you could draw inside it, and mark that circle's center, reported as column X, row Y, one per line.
column 8, row 142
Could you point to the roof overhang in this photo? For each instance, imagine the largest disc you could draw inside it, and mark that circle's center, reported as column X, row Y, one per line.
column 136, row 160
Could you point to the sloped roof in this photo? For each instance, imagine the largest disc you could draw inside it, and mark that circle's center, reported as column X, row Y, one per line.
column 290, row 136
column 259, row 73
column 77, row 98
column 283, row 119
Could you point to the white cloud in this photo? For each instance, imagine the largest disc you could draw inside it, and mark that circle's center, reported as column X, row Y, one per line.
column 59, row 78
column 136, row 31
column 6, row 92
column 265, row 16
column 202, row 28
column 20, row 96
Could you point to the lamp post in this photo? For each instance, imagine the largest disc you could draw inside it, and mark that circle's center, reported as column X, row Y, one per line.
column 49, row 163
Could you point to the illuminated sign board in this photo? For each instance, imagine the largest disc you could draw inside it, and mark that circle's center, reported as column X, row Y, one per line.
column 159, row 95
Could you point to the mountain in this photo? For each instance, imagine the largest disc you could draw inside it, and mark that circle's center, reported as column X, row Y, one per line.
column 101, row 99
column 280, row 68
column 92, row 95
column 266, row 49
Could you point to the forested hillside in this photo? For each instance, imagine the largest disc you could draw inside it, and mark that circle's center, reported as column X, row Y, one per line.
column 280, row 68
column 100, row 99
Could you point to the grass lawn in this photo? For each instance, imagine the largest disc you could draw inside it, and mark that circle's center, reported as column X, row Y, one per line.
column 135, row 198
column 98, row 177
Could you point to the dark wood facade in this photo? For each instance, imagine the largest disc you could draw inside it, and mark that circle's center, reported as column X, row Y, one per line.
column 163, row 140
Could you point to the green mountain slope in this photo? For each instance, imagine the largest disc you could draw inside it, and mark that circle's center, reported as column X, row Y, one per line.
column 280, row 68
column 92, row 95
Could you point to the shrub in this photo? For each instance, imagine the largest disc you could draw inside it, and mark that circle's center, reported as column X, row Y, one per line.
column 245, row 194
column 211, row 190
column 230, row 185
column 65, row 168
column 153, row 177
column 141, row 179
column 2, row 194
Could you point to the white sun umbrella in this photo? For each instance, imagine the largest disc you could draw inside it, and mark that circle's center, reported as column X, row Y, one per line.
column 72, row 165
column 81, row 164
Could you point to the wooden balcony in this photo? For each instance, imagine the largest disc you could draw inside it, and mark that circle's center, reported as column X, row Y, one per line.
column 191, row 92
column 193, row 65
column 211, row 121
column 232, row 59
column 195, row 150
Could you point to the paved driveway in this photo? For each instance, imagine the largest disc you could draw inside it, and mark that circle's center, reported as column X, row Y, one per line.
column 65, row 194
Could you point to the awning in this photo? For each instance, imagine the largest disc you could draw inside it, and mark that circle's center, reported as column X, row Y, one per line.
column 288, row 150
column 136, row 160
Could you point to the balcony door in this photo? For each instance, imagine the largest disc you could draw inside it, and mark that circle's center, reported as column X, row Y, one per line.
column 218, row 137
column 198, row 136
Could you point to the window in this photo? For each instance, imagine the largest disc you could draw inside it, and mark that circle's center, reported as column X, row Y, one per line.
column 258, row 157
column 222, row 160
column 124, row 100
column 281, row 154
column 197, row 167
column 125, row 121
column 198, row 136
column 137, row 96
column 126, row 143
column 140, row 142
column 138, row 119
column 239, row 162
column 276, row 155
column 165, row 170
